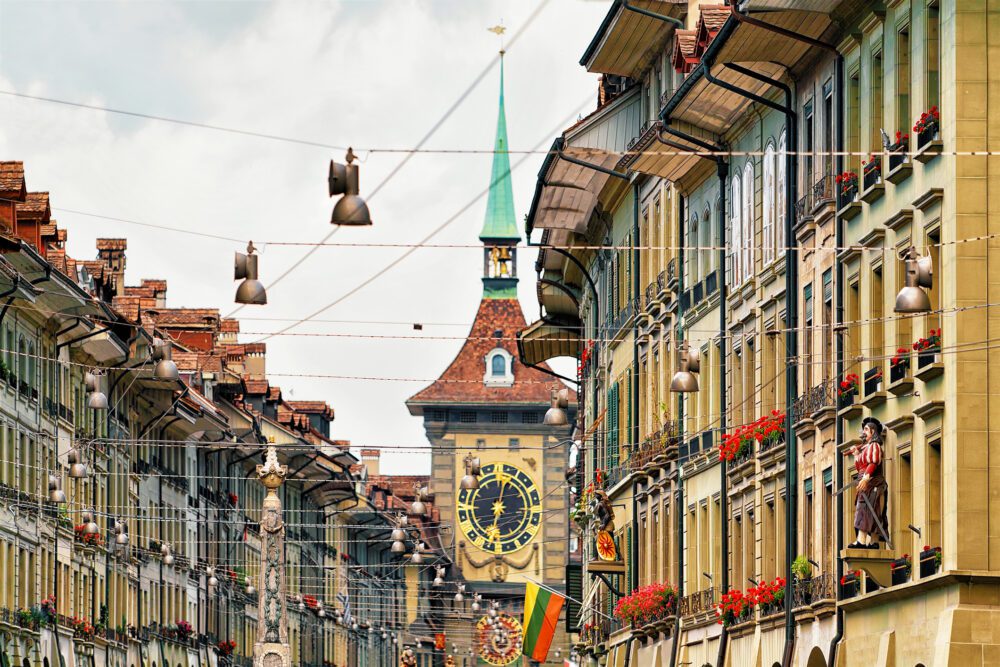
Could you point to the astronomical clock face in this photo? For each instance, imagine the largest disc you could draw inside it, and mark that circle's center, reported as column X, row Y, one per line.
column 504, row 513
column 499, row 643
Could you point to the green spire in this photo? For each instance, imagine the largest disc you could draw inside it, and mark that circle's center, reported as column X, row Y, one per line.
column 501, row 221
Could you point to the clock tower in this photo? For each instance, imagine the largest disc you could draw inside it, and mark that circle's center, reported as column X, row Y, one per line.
column 486, row 404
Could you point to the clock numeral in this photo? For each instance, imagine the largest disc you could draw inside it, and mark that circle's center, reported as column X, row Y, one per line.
column 478, row 540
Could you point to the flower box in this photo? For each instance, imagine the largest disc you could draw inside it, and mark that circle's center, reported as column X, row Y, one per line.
column 847, row 194
column 899, row 570
column 850, row 584
column 873, row 381
column 846, row 399
column 872, row 173
column 900, row 166
column 929, row 356
column 899, row 367
column 928, row 131
column 930, row 561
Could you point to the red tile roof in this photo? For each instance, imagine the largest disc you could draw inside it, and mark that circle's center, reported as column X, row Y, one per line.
column 462, row 382
column 186, row 316
column 112, row 244
column 35, row 207
column 12, row 180
column 312, row 407
column 710, row 21
column 684, row 46
column 229, row 325
column 255, row 387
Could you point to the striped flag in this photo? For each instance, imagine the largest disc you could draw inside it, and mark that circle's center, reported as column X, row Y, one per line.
column 345, row 603
column 541, row 615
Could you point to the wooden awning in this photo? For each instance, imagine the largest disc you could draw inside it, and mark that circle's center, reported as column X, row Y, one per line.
column 570, row 191
column 627, row 41
column 768, row 42
column 542, row 341
column 671, row 161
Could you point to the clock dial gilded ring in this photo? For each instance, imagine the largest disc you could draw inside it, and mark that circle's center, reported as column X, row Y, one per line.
column 504, row 513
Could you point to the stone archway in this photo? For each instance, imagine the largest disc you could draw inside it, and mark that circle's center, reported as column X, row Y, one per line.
column 816, row 658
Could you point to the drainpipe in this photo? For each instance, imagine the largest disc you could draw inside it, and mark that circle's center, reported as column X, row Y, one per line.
column 653, row 15
column 634, row 579
column 839, row 305
column 679, row 492
column 8, row 293
column 791, row 319
column 723, row 171
column 722, row 166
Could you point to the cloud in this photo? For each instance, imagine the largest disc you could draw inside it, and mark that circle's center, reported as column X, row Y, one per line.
column 365, row 74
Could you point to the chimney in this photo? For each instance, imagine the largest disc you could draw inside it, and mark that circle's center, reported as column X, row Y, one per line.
column 158, row 288
column 255, row 360
column 112, row 253
column 370, row 459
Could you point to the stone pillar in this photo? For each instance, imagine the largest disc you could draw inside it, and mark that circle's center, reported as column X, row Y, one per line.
column 271, row 649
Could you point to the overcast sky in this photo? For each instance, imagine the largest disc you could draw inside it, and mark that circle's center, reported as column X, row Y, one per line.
column 375, row 73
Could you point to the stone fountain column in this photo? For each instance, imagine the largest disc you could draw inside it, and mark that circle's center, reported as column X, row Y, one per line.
column 271, row 649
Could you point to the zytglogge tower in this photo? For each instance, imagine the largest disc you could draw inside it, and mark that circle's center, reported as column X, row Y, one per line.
column 514, row 527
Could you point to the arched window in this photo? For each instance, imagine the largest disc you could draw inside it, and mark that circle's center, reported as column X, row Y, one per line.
column 735, row 230
column 705, row 241
column 780, row 197
column 499, row 366
column 499, row 370
column 694, row 271
column 768, row 219
column 747, row 236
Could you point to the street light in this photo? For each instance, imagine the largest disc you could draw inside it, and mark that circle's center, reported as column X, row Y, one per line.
column 90, row 526
column 96, row 399
column 685, row 380
column 121, row 533
column 470, row 480
column 351, row 209
column 77, row 468
column 418, row 508
column 162, row 354
column 919, row 274
column 251, row 291
column 56, row 494
column 556, row 414
column 212, row 581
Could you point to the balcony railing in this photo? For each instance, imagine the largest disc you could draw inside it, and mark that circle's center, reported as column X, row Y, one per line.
column 697, row 603
column 810, row 591
column 823, row 395
column 650, row 293
column 823, row 191
column 661, row 281
column 804, row 207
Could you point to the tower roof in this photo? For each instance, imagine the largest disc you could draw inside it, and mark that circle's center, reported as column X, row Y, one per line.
column 496, row 325
column 501, row 221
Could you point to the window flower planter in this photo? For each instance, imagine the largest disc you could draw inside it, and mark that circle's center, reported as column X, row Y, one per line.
column 929, row 364
column 848, row 205
column 850, row 584
column 930, row 561
column 900, row 569
column 873, row 381
column 928, row 131
column 900, row 167
column 900, row 381
column 872, row 172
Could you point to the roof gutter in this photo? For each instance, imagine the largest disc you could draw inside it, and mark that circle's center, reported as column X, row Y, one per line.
column 617, row 6
column 540, row 183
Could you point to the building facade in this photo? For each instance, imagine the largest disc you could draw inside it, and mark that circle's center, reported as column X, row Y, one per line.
column 781, row 160
column 151, row 558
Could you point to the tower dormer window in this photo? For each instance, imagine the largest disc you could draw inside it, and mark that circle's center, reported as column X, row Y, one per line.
column 499, row 370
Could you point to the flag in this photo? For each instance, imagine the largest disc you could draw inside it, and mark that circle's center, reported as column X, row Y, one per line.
column 541, row 615
column 345, row 602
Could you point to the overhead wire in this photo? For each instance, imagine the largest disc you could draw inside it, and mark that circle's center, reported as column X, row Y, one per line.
column 430, row 133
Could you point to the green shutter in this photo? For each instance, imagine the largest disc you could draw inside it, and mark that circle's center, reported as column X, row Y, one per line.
column 808, row 486
column 828, row 477
column 613, row 423
column 628, row 410
column 628, row 559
